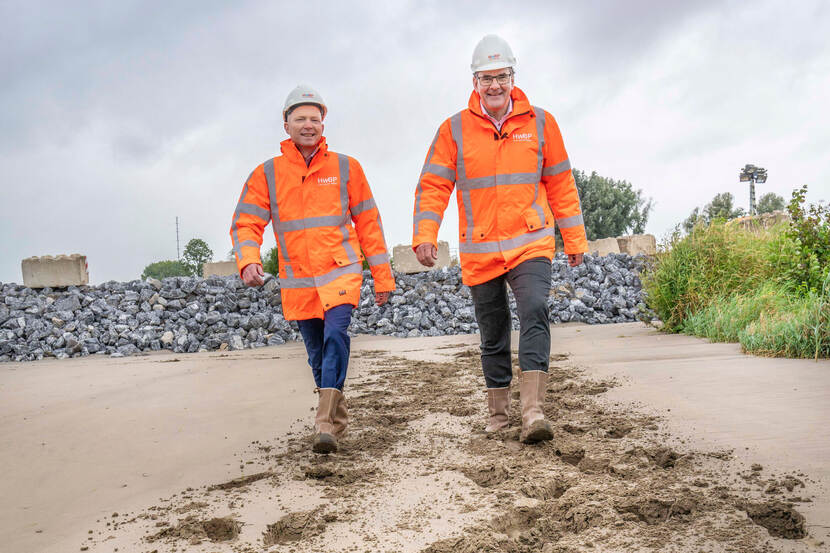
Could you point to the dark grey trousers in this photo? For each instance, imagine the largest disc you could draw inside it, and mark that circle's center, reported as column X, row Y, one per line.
column 530, row 282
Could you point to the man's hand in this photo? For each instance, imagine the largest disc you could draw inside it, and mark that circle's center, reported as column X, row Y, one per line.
column 252, row 275
column 427, row 254
column 574, row 259
column 381, row 298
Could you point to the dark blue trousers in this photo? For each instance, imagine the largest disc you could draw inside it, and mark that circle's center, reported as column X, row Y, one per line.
column 328, row 344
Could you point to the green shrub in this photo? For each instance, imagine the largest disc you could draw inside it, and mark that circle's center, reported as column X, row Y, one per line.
column 712, row 261
column 809, row 230
column 801, row 330
column 724, row 319
column 164, row 269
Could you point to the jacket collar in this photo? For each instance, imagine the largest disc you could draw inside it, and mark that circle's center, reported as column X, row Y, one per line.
column 290, row 151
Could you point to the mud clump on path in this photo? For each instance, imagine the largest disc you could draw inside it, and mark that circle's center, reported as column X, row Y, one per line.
column 195, row 530
column 294, row 527
column 780, row 519
column 239, row 482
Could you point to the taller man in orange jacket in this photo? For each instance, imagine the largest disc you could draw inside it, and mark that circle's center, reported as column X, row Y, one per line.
column 323, row 214
column 513, row 178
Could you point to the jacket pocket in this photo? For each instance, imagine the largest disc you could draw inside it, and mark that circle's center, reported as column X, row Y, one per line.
column 532, row 220
column 341, row 259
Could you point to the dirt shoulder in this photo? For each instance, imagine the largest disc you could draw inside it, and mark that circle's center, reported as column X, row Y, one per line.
column 210, row 453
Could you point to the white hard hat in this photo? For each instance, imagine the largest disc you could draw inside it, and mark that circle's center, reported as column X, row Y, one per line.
column 492, row 52
column 303, row 94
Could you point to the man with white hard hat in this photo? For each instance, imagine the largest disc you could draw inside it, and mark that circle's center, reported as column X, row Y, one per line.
column 326, row 224
column 513, row 178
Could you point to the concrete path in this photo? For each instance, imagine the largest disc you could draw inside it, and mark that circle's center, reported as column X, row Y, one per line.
column 83, row 438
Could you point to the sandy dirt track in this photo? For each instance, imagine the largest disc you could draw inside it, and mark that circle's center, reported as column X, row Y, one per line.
column 659, row 440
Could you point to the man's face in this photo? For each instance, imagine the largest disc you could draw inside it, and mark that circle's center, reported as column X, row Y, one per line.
column 305, row 126
column 495, row 95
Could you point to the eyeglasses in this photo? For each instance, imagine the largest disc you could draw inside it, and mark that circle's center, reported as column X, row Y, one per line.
column 487, row 80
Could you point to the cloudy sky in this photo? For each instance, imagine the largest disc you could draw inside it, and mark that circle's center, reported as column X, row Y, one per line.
column 116, row 117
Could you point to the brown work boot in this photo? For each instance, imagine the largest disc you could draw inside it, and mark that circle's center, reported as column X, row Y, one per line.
column 534, row 426
column 324, row 438
column 498, row 403
column 340, row 421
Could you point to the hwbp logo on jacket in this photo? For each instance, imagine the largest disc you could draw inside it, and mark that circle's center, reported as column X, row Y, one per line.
column 326, row 180
column 522, row 137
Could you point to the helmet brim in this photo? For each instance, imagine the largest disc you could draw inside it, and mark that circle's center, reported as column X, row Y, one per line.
column 493, row 65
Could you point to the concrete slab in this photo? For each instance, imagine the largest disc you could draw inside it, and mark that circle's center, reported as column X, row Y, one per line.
column 220, row 268
column 55, row 272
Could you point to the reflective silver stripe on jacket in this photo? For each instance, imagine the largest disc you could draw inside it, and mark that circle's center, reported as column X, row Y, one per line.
column 268, row 166
column 237, row 246
column 505, row 245
column 419, row 189
column 322, row 280
column 365, row 205
column 431, row 215
column 560, row 167
column 569, row 222
column 540, row 157
column 343, row 159
column 378, row 259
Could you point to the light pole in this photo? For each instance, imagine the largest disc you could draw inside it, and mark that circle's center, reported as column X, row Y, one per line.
column 753, row 174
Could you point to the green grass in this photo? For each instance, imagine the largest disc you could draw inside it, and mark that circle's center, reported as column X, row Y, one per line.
column 733, row 285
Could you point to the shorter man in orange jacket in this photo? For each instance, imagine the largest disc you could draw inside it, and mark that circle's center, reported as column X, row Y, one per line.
column 323, row 215
column 507, row 161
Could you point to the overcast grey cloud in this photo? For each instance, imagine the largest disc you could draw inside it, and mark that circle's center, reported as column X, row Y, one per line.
column 116, row 117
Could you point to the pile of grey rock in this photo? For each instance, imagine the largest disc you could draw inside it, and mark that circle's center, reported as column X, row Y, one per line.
column 186, row 314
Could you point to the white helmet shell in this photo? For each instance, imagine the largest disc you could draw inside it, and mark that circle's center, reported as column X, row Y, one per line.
column 303, row 94
column 492, row 52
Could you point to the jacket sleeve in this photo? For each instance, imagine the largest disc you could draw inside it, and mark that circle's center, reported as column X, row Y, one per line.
column 435, row 187
column 253, row 212
column 367, row 223
column 563, row 196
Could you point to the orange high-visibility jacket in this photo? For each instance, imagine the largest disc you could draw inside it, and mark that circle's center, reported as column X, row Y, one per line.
column 312, row 209
column 511, row 184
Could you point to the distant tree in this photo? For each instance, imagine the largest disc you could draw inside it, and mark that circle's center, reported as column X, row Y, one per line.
column 611, row 207
column 164, row 269
column 770, row 202
column 271, row 262
column 196, row 253
column 721, row 207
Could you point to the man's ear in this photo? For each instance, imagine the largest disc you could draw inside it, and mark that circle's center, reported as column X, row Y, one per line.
column 285, row 126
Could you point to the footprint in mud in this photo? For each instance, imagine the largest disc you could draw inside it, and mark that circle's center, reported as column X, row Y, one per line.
column 653, row 510
column 552, row 489
column 337, row 476
column 487, row 476
column 294, row 527
column 780, row 519
column 516, row 521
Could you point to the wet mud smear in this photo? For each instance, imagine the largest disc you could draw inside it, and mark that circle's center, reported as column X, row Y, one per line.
column 416, row 473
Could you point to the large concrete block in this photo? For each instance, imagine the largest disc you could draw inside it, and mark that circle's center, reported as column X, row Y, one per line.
column 220, row 268
column 603, row 246
column 638, row 243
column 404, row 260
column 55, row 272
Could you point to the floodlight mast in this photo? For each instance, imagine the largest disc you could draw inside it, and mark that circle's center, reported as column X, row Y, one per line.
column 752, row 174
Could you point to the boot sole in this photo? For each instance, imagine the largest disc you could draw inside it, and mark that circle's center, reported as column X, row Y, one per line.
column 324, row 443
column 539, row 431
